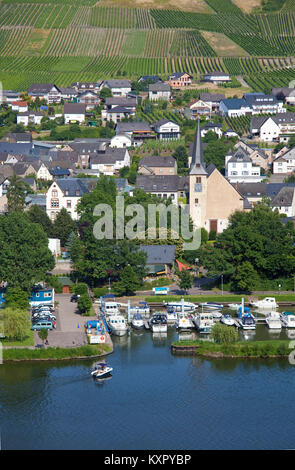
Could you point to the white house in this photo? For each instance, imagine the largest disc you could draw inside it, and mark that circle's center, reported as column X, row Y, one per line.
column 110, row 161
column 166, row 129
column 211, row 126
column 47, row 91
column 19, row 106
column 30, row 117
column 216, row 77
column 239, row 168
column 285, row 163
column 43, row 173
column 121, row 141
column 234, row 107
column 163, row 186
column 274, row 128
column 159, row 91
column 74, row 113
column 118, row 87
column 64, row 193
column 284, row 201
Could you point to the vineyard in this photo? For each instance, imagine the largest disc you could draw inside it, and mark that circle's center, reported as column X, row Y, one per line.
column 64, row 41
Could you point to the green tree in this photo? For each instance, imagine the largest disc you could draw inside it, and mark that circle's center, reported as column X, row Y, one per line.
column 24, row 255
column 16, row 323
column 84, row 303
column 128, row 282
column 185, row 281
column 16, row 194
column 15, row 297
column 81, row 288
column 63, row 226
column 224, row 334
column 105, row 93
column 246, row 278
column 39, row 216
column 43, row 333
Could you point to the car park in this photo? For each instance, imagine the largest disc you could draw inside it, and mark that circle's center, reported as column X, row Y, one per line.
column 75, row 297
column 43, row 324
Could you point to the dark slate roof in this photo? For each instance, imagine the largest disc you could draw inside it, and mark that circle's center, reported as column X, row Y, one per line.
column 178, row 75
column 20, row 168
column 121, row 101
column 156, row 183
column 19, row 136
column 284, row 197
column 211, row 125
column 247, row 204
column 84, row 148
column 58, row 171
column 272, row 189
column 212, row 97
column 210, row 168
column 16, row 148
column 68, row 91
column 234, row 103
column 111, row 155
column 165, row 162
column 118, row 83
column 144, row 78
column 120, row 109
column 259, row 99
column 197, row 164
column 134, row 126
column 159, row 86
column 162, row 122
column 159, row 254
column 36, row 199
column 284, row 118
column 240, row 155
column 251, row 189
column 258, row 121
column 283, row 92
column 65, row 156
column 75, row 186
column 74, row 108
column 41, row 87
column 289, row 155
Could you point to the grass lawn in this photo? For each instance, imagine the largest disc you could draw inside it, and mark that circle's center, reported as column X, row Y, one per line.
column 55, row 353
column 196, row 298
column 28, row 341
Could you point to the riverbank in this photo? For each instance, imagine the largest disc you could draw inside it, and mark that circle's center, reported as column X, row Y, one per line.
column 56, row 354
column 241, row 349
column 218, row 297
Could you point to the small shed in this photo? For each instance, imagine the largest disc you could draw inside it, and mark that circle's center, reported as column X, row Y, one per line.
column 160, row 258
column 65, row 281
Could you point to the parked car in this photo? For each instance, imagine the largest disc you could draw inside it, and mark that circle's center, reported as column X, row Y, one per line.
column 48, row 325
column 75, row 297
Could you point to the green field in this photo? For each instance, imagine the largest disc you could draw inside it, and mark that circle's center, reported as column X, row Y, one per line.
column 65, row 41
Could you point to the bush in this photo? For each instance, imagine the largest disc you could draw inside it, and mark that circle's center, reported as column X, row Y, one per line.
column 224, row 334
column 81, row 288
column 84, row 303
column 100, row 291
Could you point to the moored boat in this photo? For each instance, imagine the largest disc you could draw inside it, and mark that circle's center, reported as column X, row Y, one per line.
column 141, row 308
column 182, row 305
column 267, row 302
column 185, row 321
column 247, row 321
column 288, row 319
column 158, row 323
column 227, row 319
column 171, row 316
column 117, row 325
column 211, row 305
column 273, row 321
column 204, row 322
column 137, row 321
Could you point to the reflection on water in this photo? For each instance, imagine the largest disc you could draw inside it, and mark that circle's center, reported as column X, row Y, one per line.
column 153, row 400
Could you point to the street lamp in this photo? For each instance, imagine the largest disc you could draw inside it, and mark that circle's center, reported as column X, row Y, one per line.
column 109, row 284
column 196, row 261
column 221, row 283
column 279, row 289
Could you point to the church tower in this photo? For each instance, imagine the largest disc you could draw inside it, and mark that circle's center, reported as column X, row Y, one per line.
column 198, row 183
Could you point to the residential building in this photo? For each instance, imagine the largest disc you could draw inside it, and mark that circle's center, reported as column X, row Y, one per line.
column 159, row 91
column 160, row 258
column 163, row 186
column 285, row 94
column 166, row 129
column 273, row 128
column 110, row 161
column 263, row 104
column 65, row 193
column 74, row 113
column 216, row 77
column 118, row 87
column 285, row 163
column 239, row 168
column 234, row 107
column 212, row 127
column 118, row 108
column 47, row 91
column 89, row 98
column 157, row 166
column 253, row 192
column 68, row 93
column 179, row 79
column 17, row 137
column 197, row 108
column 212, row 100
column 284, row 201
column 150, row 78
column 121, row 141
column 30, row 117
column 19, row 106
column 137, row 131
column 81, row 87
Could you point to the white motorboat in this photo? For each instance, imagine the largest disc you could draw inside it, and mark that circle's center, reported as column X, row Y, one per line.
column 158, row 323
column 228, row 320
column 179, row 305
column 137, row 322
column 267, row 302
column 288, row 319
column 171, row 316
column 110, row 308
column 141, row 308
column 234, row 306
column 216, row 314
column 101, row 370
column 247, row 322
column 204, row 322
column 185, row 321
column 117, row 325
column 273, row 321
column 211, row 305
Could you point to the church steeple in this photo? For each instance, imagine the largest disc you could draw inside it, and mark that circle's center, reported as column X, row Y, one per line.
column 197, row 165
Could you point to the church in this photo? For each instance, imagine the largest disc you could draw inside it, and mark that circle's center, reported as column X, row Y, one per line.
column 212, row 199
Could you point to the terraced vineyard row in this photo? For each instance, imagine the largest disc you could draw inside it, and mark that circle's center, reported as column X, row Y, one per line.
column 268, row 80
column 239, row 124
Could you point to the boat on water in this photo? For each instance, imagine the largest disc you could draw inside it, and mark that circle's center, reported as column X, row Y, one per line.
column 158, row 323
column 182, row 305
column 211, row 305
column 273, row 321
column 204, row 322
column 141, row 308
column 171, row 316
column 228, row 320
column 185, row 321
column 137, row 321
column 117, row 325
column 234, row 306
column 101, row 370
column 288, row 319
column 247, row 321
column 267, row 302
column 110, row 308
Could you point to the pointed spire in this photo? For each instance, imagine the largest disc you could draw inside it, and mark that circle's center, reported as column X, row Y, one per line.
column 198, row 166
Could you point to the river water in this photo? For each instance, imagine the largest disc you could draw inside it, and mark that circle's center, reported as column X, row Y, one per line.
column 153, row 401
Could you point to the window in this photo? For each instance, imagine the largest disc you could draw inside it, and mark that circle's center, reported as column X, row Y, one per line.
column 69, row 204
column 54, row 193
column 196, row 201
column 54, row 203
column 198, row 180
